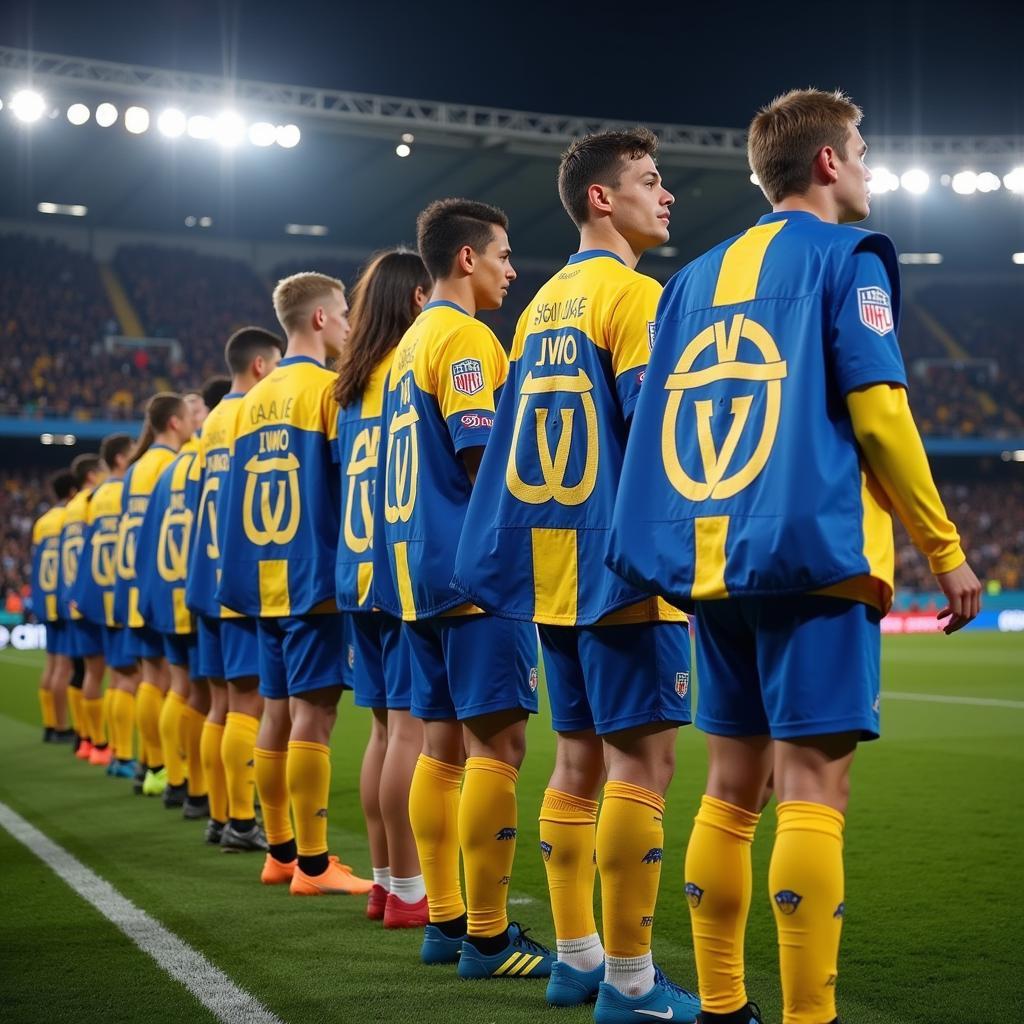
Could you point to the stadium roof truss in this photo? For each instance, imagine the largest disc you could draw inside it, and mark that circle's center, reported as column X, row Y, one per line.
column 521, row 132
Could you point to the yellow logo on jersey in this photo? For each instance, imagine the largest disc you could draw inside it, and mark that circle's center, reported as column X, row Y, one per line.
column 208, row 513
column 49, row 562
column 104, row 557
column 362, row 458
column 716, row 461
column 264, row 519
column 172, row 545
column 127, row 541
column 403, row 464
column 71, row 552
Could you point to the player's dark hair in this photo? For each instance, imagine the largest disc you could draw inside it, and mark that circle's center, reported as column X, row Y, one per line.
column 160, row 410
column 214, row 389
column 599, row 159
column 62, row 483
column 114, row 445
column 82, row 466
column 447, row 225
column 383, row 309
column 245, row 345
column 787, row 135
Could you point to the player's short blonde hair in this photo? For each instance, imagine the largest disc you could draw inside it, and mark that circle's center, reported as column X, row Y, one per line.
column 295, row 297
column 786, row 135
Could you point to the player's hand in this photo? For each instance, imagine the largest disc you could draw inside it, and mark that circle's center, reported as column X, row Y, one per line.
column 963, row 592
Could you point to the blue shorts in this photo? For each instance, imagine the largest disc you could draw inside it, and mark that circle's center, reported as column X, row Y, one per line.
column 85, row 638
column 610, row 678
column 116, row 648
column 227, row 648
column 57, row 637
column 787, row 667
column 300, row 653
column 469, row 665
column 182, row 649
column 382, row 676
column 145, row 642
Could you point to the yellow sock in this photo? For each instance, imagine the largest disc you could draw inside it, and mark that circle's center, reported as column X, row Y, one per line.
column 718, row 889
column 488, row 820
column 123, row 715
column 46, row 709
column 434, row 817
column 236, row 751
column 568, row 835
column 805, row 880
column 108, row 713
column 213, row 768
column 148, row 702
column 93, row 715
column 191, row 734
column 309, row 783
column 75, row 704
column 272, row 786
column 630, row 841
column 170, row 737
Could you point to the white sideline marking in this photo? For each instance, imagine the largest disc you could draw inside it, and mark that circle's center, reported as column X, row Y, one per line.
column 515, row 901
column 211, row 986
column 936, row 698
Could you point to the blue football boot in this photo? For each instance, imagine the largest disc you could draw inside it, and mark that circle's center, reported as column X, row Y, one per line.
column 570, row 987
column 521, row 958
column 665, row 1001
column 437, row 948
column 121, row 769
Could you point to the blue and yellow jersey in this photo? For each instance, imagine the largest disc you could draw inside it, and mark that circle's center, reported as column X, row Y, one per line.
column 536, row 534
column 279, row 514
column 72, row 544
column 742, row 475
column 161, row 562
column 358, row 445
column 445, row 379
column 93, row 592
column 204, row 493
column 139, row 482
column 46, row 563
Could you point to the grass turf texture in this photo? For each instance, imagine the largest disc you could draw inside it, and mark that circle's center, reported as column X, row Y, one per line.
column 932, row 934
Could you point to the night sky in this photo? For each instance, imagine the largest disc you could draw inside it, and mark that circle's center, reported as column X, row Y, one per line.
column 917, row 67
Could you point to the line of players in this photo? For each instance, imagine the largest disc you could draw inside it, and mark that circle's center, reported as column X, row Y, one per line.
column 406, row 523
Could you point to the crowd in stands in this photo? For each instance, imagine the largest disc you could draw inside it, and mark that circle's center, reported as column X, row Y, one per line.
column 23, row 498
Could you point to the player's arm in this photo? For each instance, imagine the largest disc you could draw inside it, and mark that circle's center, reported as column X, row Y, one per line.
column 892, row 446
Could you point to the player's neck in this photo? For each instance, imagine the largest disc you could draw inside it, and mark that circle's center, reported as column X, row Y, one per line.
column 309, row 345
column 457, row 290
column 814, row 201
column 601, row 235
column 168, row 440
column 241, row 383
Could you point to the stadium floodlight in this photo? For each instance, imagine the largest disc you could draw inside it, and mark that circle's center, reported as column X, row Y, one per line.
column 665, row 251
column 64, row 209
column 921, row 259
column 27, row 105
column 228, row 129
column 79, row 113
column 1014, row 181
column 1018, row 258
column 988, row 182
column 206, row 222
column 965, row 183
column 200, row 126
column 288, row 135
column 46, row 438
column 754, row 179
column 262, row 133
column 915, row 181
column 316, row 230
column 106, row 115
column 171, row 123
column 882, row 181
column 408, row 137
column 191, row 221
column 136, row 120
column 403, row 149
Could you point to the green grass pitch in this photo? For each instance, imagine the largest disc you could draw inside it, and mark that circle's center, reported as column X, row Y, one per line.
column 934, row 856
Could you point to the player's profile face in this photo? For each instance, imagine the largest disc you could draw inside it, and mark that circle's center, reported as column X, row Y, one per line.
column 641, row 204
column 493, row 272
column 852, row 191
column 336, row 325
column 197, row 411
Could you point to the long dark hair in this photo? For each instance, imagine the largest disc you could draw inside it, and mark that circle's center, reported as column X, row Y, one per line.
column 160, row 409
column 383, row 309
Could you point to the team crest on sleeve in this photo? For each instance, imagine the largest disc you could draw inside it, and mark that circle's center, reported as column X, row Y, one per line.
column 468, row 376
column 875, row 309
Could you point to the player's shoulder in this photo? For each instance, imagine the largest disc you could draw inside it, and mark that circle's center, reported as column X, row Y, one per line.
column 48, row 523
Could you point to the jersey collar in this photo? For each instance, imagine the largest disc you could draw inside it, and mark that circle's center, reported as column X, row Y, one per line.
column 444, row 302
column 771, row 218
column 291, row 360
column 160, row 447
column 233, row 394
column 592, row 254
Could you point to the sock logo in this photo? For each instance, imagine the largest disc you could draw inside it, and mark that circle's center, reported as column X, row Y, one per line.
column 787, row 901
column 251, row 763
column 322, row 813
column 506, row 833
column 504, row 880
column 840, row 910
column 545, row 850
column 682, row 683
column 647, row 921
column 653, row 855
column 694, row 894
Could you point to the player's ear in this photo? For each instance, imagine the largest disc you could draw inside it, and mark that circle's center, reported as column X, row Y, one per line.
column 825, row 165
column 466, row 259
column 599, row 197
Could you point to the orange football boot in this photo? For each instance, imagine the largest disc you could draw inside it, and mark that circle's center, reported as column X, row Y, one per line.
column 399, row 914
column 276, row 872
column 375, row 902
column 84, row 751
column 101, row 757
column 337, row 880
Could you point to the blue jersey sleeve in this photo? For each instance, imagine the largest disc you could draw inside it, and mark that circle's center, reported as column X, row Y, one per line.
column 862, row 345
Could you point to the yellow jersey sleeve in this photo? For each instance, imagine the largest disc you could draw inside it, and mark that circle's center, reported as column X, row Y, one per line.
column 631, row 326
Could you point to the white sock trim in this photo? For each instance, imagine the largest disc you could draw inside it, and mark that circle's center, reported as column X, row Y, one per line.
column 382, row 877
column 583, row 954
column 632, row 975
column 409, row 890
